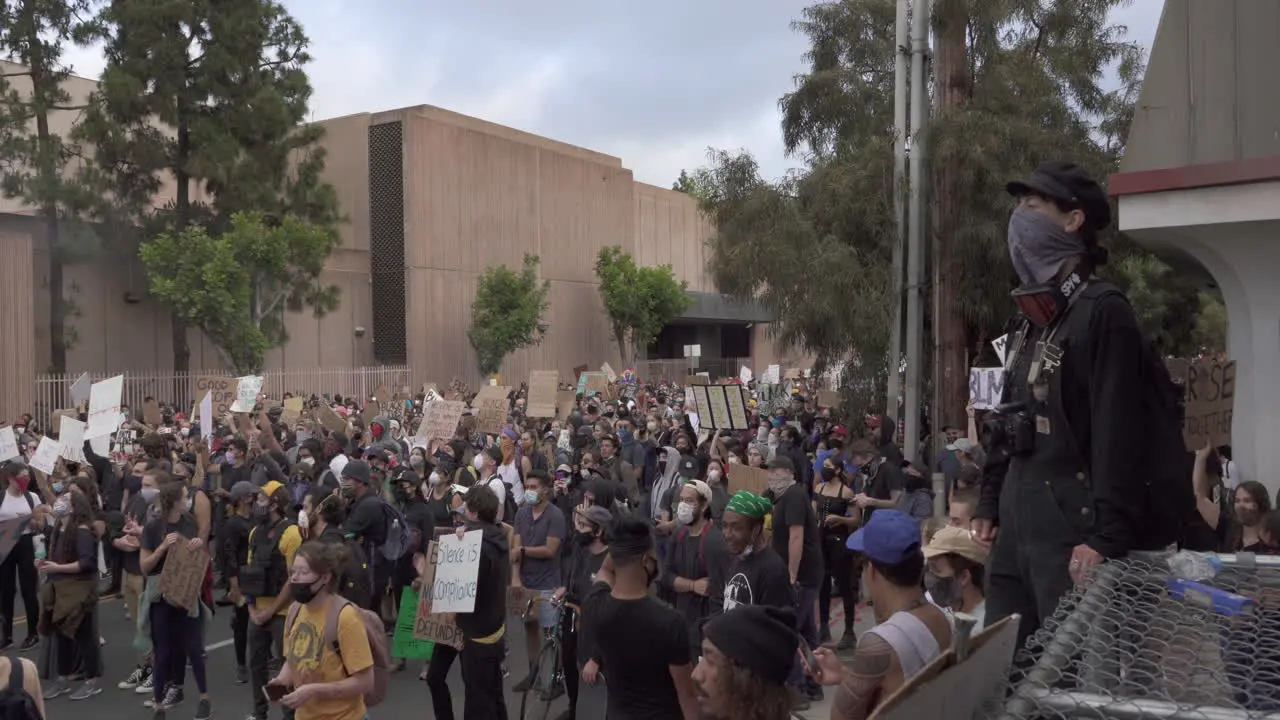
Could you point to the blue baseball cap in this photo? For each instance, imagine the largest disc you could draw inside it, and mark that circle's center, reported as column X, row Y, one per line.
column 889, row 537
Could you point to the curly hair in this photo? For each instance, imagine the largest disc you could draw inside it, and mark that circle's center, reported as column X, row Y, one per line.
column 747, row 698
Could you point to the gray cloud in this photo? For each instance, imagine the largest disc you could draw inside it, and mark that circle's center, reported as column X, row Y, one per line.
column 654, row 83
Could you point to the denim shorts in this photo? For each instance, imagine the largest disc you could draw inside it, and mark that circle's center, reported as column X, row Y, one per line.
column 546, row 611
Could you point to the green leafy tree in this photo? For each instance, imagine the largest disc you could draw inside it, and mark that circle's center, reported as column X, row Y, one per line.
column 205, row 95
column 506, row 314
column 694, row 184
column 639, row 300
column 1013, row 84
column 34, row 156
column 235, row 286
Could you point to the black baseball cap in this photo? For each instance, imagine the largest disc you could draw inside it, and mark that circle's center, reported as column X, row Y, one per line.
column 1067, row 183
column 688, row 466
column 782, row 462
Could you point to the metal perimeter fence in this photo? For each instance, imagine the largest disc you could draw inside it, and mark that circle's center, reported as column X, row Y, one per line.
column 1136, row 643
column 53, row 392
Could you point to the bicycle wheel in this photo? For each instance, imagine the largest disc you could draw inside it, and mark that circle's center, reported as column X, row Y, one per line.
column 547, row 685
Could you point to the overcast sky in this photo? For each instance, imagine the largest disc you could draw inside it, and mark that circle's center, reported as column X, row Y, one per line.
column 654, row 83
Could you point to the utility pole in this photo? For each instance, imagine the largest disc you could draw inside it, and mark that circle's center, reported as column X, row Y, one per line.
column 920, row 16
column 902, row 58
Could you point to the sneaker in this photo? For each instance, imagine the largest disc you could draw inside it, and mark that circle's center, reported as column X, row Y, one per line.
column 172, row 696
column 204, row 710
column 31, row 642
column 242, row 674
column 147, row 685
column 55, row 689
column 86, row 691
column 135, row 678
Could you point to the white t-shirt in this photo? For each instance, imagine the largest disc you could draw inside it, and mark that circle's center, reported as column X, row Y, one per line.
column 500, row 489
column 16, row 506
column 511, row 476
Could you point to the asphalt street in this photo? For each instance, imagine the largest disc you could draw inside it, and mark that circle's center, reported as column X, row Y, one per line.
column 406, row 698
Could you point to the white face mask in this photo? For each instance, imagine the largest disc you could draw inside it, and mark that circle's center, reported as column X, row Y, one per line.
column 308, row 461
column 303, row 521
column 478, row 463
column 653, row 427
column 713, row 477
column 684, row 513
column 433, row 479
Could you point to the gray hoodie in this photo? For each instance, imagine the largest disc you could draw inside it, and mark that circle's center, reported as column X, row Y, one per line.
column 663, row 484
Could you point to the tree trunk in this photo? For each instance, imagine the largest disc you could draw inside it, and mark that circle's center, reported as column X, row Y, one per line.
column 951, row 83
column 182, row 206
column 48, row 169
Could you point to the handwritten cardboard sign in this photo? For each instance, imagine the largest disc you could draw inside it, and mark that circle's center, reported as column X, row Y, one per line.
column 457, row 571
column 440, row 419
column 491, row 408
column 330, row 419
column 151, row 414
column 746, row 477
column 247, row 389
column 428, row 624
column 986, row 385
column 719, row 407
column 1211, row 392
column 222, row 390
column 183, row 574
column 542, row 393
column 566, row 401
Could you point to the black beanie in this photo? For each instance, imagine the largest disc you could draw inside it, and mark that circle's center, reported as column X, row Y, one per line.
column 758, row 638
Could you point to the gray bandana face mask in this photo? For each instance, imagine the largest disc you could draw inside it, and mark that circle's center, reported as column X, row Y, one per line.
column 1038, row 246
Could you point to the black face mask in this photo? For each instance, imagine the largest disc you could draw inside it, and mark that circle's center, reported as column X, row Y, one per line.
column 261, row 514
column 828, row 474
column 303, row 592
column 133, row 484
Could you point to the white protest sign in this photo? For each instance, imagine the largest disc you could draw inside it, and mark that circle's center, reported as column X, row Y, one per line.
column 1001, row 346
column 45, row 458
column 744, row 374
column 772, row 375
column 80, row 390
column 985, row 387
column 71, row 439
column 8, row 444
column 104, row 407
column 101, row 445
column 457, row 570
column 247, row 393
column 206, row 417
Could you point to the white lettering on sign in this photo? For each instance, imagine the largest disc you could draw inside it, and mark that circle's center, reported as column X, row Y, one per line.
column 986, row 385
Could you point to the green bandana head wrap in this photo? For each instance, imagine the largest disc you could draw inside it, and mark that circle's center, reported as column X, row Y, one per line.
column 749, row 505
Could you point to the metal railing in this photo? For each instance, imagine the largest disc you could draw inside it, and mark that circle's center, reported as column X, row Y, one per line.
column 53, row 391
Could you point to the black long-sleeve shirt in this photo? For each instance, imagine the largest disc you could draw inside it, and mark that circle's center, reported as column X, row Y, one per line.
column 1102, row 397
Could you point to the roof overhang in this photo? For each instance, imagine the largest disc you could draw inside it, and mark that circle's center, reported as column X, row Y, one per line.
column 717, row 308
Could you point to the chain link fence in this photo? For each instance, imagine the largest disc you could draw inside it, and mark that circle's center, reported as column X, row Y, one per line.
column 1136, row 643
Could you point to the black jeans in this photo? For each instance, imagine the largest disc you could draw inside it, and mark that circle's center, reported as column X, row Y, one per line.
column 482, row 678
column 80, row 653
column 266, row 657
column 240, row 633
column 569, row 661
column 838, row 561
column 442, row 658
column 19, row 570
column 176, row 637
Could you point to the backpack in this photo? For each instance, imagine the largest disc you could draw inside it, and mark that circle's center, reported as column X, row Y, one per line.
column 399, row 542
column 356, row 583
column 373, row 629
column 15, row 702
column 683, row 533
column 267, row 572
column 1169, row 498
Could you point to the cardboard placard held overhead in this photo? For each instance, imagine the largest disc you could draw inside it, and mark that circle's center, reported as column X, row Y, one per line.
column 221, row 388
column 543, row 385
column 1211, row 391
column 440, row 419
column 720, row 407
column 566, row 401
column 745, row 477
column 491, row 406
column 609, row 373
column 330, row 419
column 292, row 409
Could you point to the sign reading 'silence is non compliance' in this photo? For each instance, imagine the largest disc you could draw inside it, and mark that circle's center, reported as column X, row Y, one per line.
column 429, row 624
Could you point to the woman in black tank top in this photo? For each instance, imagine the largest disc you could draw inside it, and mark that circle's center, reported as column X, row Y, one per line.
column 833, row 504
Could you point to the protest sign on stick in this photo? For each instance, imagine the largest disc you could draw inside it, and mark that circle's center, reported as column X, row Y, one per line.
column 1211, row 392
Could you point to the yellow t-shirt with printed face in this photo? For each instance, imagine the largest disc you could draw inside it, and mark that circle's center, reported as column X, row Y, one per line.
column 313, row 660
column 289, row 542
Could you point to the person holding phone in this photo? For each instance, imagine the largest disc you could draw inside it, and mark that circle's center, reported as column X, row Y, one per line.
column 324, row 676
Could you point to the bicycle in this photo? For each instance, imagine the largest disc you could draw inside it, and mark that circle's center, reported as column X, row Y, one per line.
column 547, row 674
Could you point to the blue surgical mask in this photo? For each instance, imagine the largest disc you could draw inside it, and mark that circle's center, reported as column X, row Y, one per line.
column 58, row 488
column 531, row 497
column 149, row 493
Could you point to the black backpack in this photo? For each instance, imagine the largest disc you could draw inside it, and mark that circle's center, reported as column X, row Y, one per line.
column 15, row 702
column 1168, row 498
